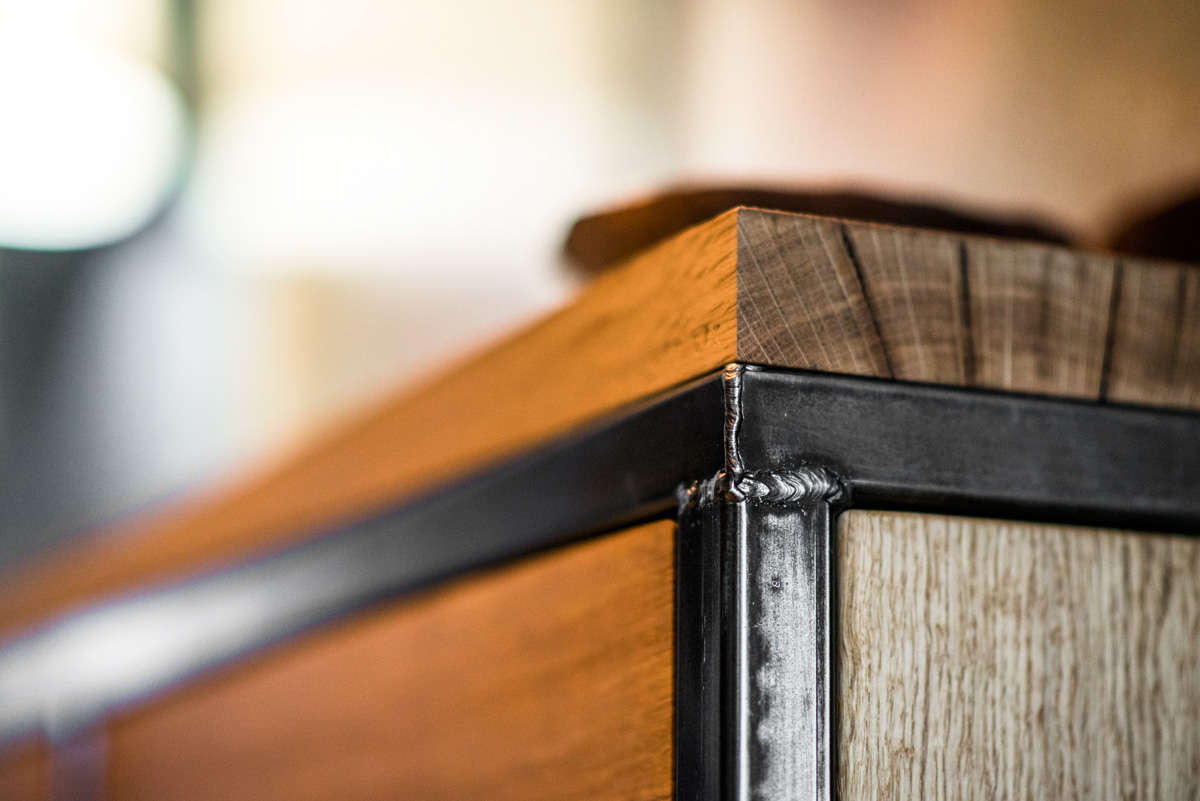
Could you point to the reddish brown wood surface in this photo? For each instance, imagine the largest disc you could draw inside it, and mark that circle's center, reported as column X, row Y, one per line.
column 666, row 317
column 776, row 289
column 25, row 772
column 552, row 678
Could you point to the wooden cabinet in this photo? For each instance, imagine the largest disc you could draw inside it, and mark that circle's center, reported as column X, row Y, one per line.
column 785, row 507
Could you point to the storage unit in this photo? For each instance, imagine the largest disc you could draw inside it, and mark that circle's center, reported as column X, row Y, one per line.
column 785, row 507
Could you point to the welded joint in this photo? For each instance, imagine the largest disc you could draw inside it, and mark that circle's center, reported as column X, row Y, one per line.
column 801, row 487
column 798, row 487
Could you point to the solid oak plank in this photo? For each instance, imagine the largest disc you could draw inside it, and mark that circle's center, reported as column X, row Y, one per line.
column 986, row 659
column 756, row 286
column 1038, row 317
column 800, row 303
column 552, row 678
column 664, row 318
column 1156, row 336
column 913, row 281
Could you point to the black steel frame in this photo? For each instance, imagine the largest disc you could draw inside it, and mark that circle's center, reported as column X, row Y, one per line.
column 757, row 579
column 756, row 462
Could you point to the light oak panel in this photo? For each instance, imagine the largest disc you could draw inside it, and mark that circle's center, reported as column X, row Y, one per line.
column 985, row 659
column 1156, row 338
column 552, row 678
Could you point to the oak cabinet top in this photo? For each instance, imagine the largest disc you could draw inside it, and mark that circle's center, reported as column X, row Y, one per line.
column 752, row 286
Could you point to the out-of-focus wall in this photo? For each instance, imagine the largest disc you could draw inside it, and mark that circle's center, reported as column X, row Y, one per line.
column 357, row 142
column 402, row 173
column 1076, row 109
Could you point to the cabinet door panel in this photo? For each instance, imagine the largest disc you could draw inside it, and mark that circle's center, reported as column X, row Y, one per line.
column 986, row 659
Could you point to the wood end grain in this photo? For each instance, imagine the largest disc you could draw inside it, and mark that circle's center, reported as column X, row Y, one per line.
column 800, row 302
column 1155, row 352
column 892, row 302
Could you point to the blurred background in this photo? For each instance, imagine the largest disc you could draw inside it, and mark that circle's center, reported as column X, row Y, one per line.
column 224, row 223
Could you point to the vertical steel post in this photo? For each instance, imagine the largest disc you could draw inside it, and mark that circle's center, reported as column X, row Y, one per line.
column 755, row 661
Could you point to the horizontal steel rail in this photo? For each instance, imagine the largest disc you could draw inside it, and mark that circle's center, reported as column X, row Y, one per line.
column 765, row 460
column 67, row 675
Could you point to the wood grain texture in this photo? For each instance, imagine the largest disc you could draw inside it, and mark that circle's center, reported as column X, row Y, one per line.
column 552, row 678
column 884, row 301
column 25, row 772
column 776, row 289
column 913, row 281
column 984, row 659
column 1039, row 317
column 800, row 303
column 1156, row 336
column 666, row 317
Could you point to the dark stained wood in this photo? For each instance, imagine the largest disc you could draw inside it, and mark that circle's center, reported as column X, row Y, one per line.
column 552, row 678
column 985, row 659
column 1156, row 336
column 1169, row 231
column 601, row 240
